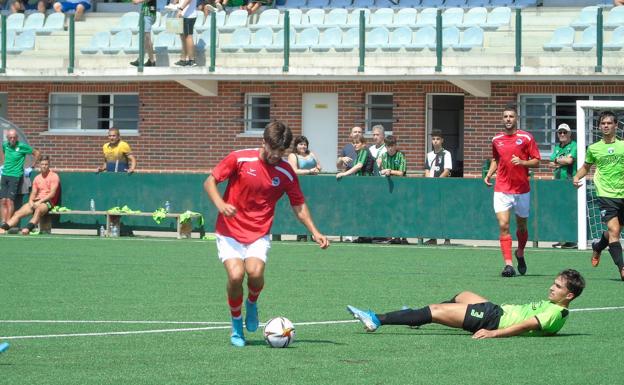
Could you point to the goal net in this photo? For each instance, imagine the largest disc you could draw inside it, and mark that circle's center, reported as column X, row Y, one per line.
column 588, row 131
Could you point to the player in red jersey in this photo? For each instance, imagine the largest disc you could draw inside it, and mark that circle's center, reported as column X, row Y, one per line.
column 257, row 178
column 514, row 152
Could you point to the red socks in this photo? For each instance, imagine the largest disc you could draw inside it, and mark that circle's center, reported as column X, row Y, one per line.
column 235, row 306
column 505, row 245
column 254, row 293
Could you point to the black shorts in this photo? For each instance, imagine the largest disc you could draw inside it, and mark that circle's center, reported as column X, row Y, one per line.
column 187, row 26
column 10, row 186
column 611, row 208
column 484, row 315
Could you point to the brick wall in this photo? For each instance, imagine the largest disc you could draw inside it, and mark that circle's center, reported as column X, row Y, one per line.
column 182, row 131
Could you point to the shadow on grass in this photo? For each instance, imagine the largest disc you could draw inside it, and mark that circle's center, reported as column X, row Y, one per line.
column 297, row 341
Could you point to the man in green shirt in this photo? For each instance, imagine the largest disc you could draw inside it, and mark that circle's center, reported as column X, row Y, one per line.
column 474, row 313
column 563, row 163
column 608, row 156
column 13, row 156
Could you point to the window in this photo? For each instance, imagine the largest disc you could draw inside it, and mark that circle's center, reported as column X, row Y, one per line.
column 92, row 112
column 379, row 110
column 257, row 112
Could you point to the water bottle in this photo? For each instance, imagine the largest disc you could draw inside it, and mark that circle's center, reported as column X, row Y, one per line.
column 102, row 232
column 167, row 206
column 114, row 231
column 92, row 204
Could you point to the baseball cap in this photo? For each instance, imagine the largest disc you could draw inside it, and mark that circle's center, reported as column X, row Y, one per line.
column 563, row 127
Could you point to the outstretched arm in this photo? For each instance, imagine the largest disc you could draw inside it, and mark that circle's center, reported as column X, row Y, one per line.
column 513, row 330
column 303, row 214
column 580, row 174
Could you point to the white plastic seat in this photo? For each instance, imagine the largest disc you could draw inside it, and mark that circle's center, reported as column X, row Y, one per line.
column 383, row 17
column 340, row 3
column 15, row 22
column 450, row 38
column 561, row 38
column 54, row 22
column 587, row 40
column 498, row 17
column 354, row 17
column 307, row 38
column 129, row 20
column 452, row 17
column 425, row 37
column 219, row 20
column 241, row 37
column 475, row 17
column 318, row 4
column 34, row 22
column 167, row 41
column 99, row 41
column 615, row 18
column 296, row 18
column 237, row 19
column 329, row 39
column 25, row 41
column 455, row 3
column 368, row 4
column 160, row 25
column 427, row 18
column 399, row 38
column 377, row 38
column 119, row 41
column 350, row 40
column 337, row 17
column 314, row 18
column 278, row 41
column 471, row 38
column 617, row 40
column 203, row 41
column 585, row 18
column 260, row 39
column 268, row 18
column 406, row 17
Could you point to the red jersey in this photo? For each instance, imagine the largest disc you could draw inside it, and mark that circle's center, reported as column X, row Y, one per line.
column 254, row 187
column 510, row 178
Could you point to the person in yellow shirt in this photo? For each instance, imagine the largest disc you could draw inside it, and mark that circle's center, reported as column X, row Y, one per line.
column 118, row 155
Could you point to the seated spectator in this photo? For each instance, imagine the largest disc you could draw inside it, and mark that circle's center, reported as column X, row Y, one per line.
column 364, row 162
column 117, row 154
column 80, row 6
column 44, row 196
column 148, row 10
column 302, row 160
column 19, row 6
column 249, row 5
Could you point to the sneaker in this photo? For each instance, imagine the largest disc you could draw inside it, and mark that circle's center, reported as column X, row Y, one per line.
column 181, row 63
column 191, row 63
column 4, row 347
column 237, row 338
column 595, row 259
column 368, row 318
column 431, row 242
column 149, row 63
column 251, row 316
column 522, row 267
column 508, row 271
column 219, row 6
column 212, row 8
column 557, row 245
column 569, row 245
column 135, row 63
column 395, row 241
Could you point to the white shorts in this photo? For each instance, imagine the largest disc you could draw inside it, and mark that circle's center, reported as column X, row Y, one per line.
column 521, row 203
column 231, row 248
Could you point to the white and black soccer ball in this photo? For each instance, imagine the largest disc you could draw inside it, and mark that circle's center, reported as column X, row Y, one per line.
column 279, row 332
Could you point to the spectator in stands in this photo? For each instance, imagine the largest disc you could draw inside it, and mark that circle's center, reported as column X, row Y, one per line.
column 80, row 6
column 438, row 164
column 378, row 147
column 187, row 9
column 364, row 162
column 348, row 153
column 13, row 156
column 617, row 3
column 302, row 160
column 393, row 164
column 20, row 6
column 563, row 163
column 148, row 10
column 44, row 196
column 118, row 155
column 250, row 6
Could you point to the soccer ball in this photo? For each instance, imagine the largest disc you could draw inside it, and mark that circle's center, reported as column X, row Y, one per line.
column 279, row 332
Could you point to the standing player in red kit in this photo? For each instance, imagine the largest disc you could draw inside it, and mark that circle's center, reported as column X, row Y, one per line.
column 257, row 179
column 514, row 152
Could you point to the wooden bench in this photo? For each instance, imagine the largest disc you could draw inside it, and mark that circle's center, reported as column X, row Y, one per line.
column 183, row 229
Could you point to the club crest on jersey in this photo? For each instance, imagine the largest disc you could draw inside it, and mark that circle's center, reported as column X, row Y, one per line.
column 610, row 150
column 518, row 141
column 251, row 172
column 275, row 181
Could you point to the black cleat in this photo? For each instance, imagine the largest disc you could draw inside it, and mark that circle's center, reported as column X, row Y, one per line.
column 522, row 267
column 508, row 271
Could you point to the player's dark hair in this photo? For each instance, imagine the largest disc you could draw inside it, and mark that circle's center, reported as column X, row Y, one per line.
column 45, row 157
column 511, row 107
column 277, row 135
column 574, row 281
column 301, row 139
column 114, row 129
column 390, row 140
column 606, row 114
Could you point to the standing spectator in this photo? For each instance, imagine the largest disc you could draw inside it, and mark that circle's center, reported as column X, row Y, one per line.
column 13, row 156
column 187, row 9
column 393, row 164
column 378, row 147
column 438, row 164
column 257, row 179
column 44, row 196
column 80, row 6
column 118, row 155
column 514, row 151
column 563, row 163
column 348, row 153
column 608, row 156
column 363, row 163
column 148, row 11
column 302, row 160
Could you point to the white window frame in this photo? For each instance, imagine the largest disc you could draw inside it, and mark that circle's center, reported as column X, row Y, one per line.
column 249, row 108
column 368, row 126
column 89, row 131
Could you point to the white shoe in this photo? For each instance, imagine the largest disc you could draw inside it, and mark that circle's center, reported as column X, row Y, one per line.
column 219, row 6
column 212, row 8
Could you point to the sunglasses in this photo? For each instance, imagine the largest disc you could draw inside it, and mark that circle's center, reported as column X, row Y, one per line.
column 562, row 132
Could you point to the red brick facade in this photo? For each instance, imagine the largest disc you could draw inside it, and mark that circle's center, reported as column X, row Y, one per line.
column 182, row 131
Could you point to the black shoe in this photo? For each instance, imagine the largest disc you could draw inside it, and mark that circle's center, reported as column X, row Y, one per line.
column 508, row 271
column 557, row 245
column 135, row 63
column 522, row 267
column 181, row 63
column 149, row 63
column 404, row 241
column 191, row 63
column 569, row 245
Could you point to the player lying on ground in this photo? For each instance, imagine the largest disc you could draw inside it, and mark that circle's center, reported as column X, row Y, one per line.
column 471, row 312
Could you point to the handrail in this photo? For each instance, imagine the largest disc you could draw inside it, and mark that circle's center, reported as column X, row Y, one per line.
column 518, row 65
column 141, row 42
column 213, row 41
column 4, row 47
column 362, row 41
column 286, row 41
column 72, row 41
column 599, row 40
column 438, row 67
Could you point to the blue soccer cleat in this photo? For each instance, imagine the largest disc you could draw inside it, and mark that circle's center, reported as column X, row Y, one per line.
column 251, row 316
column 3, row 347
column 368, row 318
column 237, row 338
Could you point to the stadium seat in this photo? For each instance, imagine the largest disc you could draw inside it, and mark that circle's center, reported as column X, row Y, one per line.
column 220, row 21
column 410, row 3
column 240, row 38
column 25, row 41
column 54, row 22
column 320, row 4
column 501, row 3
column 386, row 3
column 377, row 38
column 615, row 18
column 278, row 41
column 260, row 39
column 314, row 18
column 562, row 37
column 475, row 17
column 329, row 39
column 406, row 17
column 498, row 17
column 585, row 18
column 340, row 3
column 307, row 38
column 293, row 4
column 350, row 40
column 15, row 22
column 99, row 41
column 427, row 18
column 203, row 42
column 587, row 40
column 363, row 4
column 431, row 4
column 296, row 18
column 118, row 42
column 471, row 38
column 129, row 20
column 33, row 22
column 450, row 37
column 237, row 19
column 452, row 17
column 354, row 17
column 455, row 3
column 617, row 40
column 160, row 24
column 382, row 17
column 166, row 41
column 337, row 17
column 477, row 3
column 525, row 3
column 268, row 18
column 423, row 38
column 199, row 21
column 133, row 48
column 399, row 38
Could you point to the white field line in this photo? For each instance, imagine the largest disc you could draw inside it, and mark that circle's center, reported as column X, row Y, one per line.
column 600, row 308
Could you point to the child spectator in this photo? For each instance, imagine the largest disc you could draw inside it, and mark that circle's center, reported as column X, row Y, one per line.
column 364, row 162
column 438, row 165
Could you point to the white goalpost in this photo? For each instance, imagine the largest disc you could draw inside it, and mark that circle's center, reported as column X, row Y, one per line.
column 588, row 132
